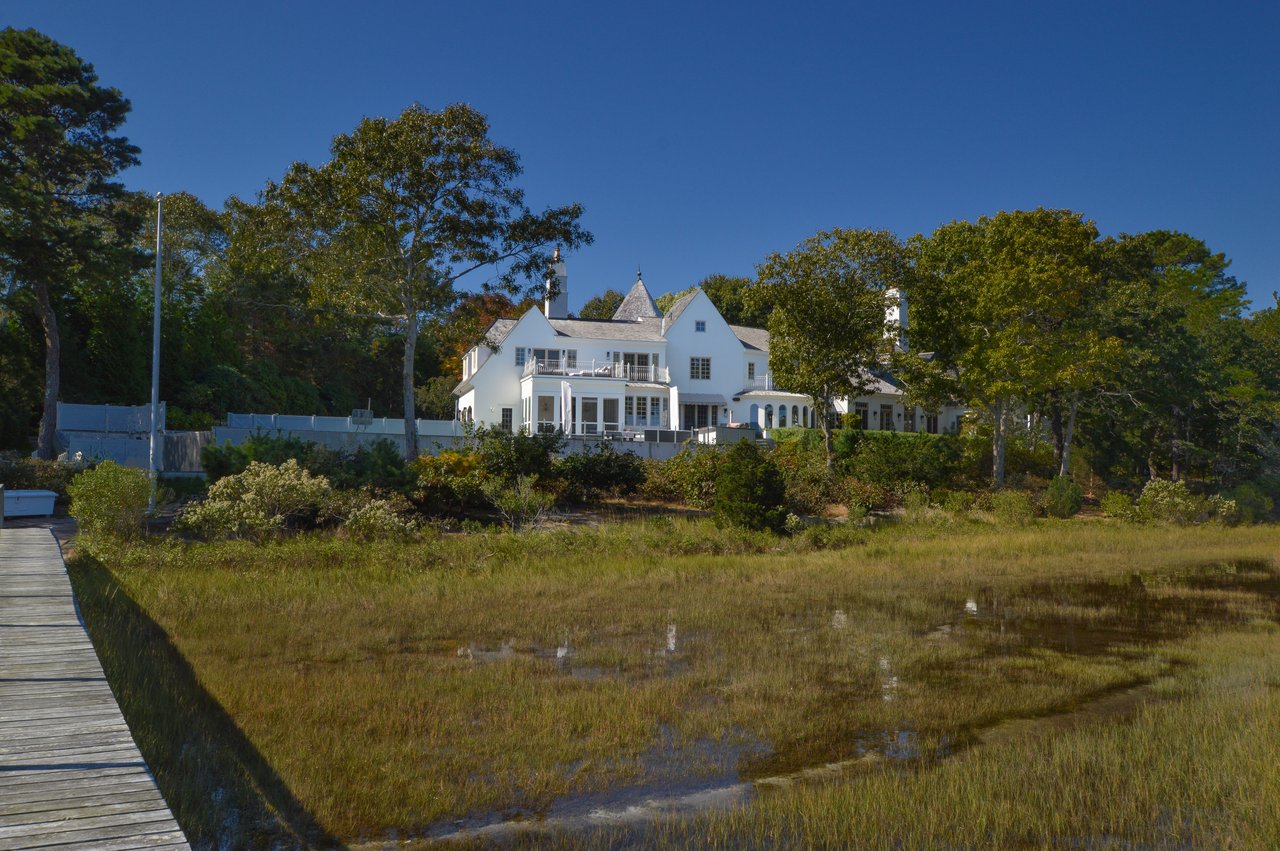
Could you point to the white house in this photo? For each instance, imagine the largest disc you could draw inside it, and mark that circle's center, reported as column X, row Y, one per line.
column 642, row 370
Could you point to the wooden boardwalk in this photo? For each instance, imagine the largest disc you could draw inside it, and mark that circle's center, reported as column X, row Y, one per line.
column 70, row 773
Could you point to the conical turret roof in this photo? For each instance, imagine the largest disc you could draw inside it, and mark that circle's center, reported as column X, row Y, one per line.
column 638, row 304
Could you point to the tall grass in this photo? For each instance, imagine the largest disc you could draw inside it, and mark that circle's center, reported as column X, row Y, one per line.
column 396, row 687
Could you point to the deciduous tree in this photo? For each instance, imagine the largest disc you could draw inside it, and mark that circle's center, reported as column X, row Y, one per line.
column 827, row 333
column 403, row 210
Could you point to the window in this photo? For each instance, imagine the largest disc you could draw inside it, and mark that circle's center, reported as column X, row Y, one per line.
column 519, row 355
column 700, row 368
column 886, row 418
column 768, row 416
column 699, row 326
column 751, row 372
column 862, row 413
column 931, row 423
column 782, row 416
column 507, row 419
column 571, row 359
column 909, row 419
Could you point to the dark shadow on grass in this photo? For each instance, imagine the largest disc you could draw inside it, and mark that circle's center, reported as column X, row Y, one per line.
column 222, row 791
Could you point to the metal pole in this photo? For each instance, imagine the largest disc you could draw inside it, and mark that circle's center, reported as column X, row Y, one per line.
column 153, row 460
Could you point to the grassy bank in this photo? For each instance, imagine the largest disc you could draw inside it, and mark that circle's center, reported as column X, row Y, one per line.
column 326, row 691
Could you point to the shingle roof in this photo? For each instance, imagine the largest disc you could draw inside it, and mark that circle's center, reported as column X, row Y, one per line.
column 637, row 305
column 680, row 304
column 752, row 338
column 641, row 330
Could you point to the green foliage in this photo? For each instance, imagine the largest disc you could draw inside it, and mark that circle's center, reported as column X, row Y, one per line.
column 449, row 482
column 857, row 495
column 1119, row 505
column 956, row 502
column 63, row 220
column 885, row 458
column 22, row 472
column 520, row 502
column 689, row 477
column 377, row 519
column 433, row 185
column 506, row 455
column 1013, row 508
column 1253, row 503
column 602, row 471
column 228, row 459
column 109, row 502
column 1164, row 501
column 750, row 490
column 602, row 306
column 1063, row 498
column 262, row 501
column 827, row 327
column 810, row 484
column 378, row 466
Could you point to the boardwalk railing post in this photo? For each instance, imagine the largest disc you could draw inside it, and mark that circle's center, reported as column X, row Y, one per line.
column 1, row 506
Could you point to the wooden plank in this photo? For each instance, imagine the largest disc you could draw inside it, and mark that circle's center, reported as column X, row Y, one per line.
column 71, row 775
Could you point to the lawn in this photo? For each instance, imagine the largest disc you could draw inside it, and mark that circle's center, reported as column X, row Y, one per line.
column 1070, row 682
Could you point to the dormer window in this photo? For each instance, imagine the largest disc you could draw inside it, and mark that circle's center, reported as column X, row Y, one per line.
column 700, row 326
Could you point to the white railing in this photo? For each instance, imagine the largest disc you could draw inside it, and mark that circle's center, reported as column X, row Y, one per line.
column 765, row 383
column 598, row 369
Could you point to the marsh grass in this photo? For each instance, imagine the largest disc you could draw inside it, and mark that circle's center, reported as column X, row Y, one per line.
column 401, row 687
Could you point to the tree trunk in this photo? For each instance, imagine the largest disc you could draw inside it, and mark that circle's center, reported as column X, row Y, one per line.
column 410, row 408
column 1152, row 470
column 1056, row 427
column 998, row 443
column 1064, row 468
column 824, row 420
column 47, row 444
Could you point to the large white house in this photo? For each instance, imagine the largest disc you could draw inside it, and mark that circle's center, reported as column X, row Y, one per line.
column 643, row 371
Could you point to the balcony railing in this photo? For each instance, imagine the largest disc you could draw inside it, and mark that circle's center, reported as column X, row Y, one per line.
column 598, row 369
column 762, row 383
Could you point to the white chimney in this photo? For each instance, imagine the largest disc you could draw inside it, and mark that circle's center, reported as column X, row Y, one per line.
column 895, row 312
column 556, row 305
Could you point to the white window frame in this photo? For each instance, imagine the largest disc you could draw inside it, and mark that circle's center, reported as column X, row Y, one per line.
column 699, row 368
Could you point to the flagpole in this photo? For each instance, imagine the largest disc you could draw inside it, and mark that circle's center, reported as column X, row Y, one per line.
column 153, row 460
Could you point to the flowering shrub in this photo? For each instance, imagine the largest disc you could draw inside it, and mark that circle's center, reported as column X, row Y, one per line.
column 263, row 500
column 377, row 519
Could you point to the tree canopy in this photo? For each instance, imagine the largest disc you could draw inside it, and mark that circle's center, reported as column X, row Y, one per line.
column 402, row 211
column 63, row 218
column 827, row 333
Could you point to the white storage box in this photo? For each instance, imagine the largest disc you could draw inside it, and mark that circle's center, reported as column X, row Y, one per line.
column 28, row 503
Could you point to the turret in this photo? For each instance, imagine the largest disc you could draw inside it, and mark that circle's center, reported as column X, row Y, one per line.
column 556, row 305
column 895, row 316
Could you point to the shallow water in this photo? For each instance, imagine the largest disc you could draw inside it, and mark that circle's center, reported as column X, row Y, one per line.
column 1087, row 619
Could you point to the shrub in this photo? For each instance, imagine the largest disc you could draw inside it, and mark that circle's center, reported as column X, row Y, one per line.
column 1169, row 502
column 1013, row 508
column 810, row 485
column 1063, row 498
column 956, row 502
column 377, row 519
column 263, row 500
column 19, row 472
column 378, row 466
column 884, row 457
column 602, row 472
column 856, row 494
column 509, row 455
column 449, row 483
column 1252, row 501
column 220, row 461
column 520, row 503
column 689, row 476
column 110, row 502
column 1119, row 505
column 750, row 491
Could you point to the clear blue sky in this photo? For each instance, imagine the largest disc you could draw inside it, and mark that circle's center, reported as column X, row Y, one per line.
column 701, row 137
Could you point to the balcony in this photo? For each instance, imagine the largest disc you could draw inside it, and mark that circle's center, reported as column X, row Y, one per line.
column 598, row 369
column 764, row 383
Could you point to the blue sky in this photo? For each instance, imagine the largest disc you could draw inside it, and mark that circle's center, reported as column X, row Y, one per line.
column 701, row 137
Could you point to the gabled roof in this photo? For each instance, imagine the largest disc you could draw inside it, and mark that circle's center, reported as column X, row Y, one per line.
column 680, row 304
column 637, row 305
column 752, row 338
